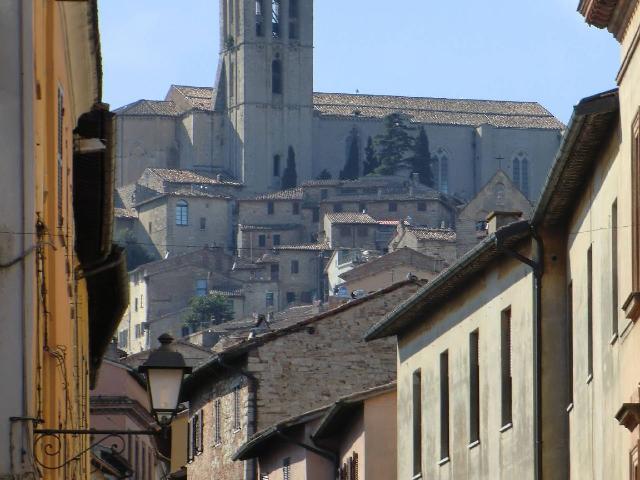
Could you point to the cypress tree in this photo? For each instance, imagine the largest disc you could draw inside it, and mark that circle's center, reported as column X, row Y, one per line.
column 421, row 160
column 324, row 175
column 351, row 170
column 393, row 145
column 370, row 158
column 289, row 176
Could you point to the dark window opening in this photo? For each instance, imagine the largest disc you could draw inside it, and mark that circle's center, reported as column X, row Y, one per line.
column 614, row 268
column 296, row 208
column 270, row 208
column 275, row 272
column 295, row 266
column 275, row 18
column 444, row 405
column 506, row 367
column 276, row 239
column 474, row 387
column 569, row 344
column 203, row 223
column 276, row 165
column 262, row 240
column 324, row 193
column 590, row 313
column 269, row 299
column 417, row 423
column 291, row 297
column 276, row 77
column 236, row 408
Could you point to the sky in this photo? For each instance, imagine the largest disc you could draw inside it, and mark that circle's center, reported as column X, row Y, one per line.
column 524, row 50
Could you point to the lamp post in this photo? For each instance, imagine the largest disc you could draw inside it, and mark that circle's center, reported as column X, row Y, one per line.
column 164, row 369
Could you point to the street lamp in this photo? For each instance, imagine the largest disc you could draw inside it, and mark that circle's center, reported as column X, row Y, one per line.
column 165, row 370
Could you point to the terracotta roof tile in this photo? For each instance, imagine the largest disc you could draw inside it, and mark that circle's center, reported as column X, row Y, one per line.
column 187, row 176
column 149, row 107
column 200, row 98
column 305, row 246
column 424, row 233
column 289, row 194
column 351, row 218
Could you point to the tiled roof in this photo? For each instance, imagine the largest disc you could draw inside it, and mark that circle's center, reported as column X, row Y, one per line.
column 199, row 97
column 305, row 246
column 351, row 218
column 124, row 202
column 424, row 233
column 386, row 197
column 149, row 107
column 183, row 176
column 268, row 228
column 124, row 213
column 227, row 292
column 289, row 194
column 438, row 110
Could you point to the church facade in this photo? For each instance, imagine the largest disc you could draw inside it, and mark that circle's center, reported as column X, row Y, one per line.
column 262, row 113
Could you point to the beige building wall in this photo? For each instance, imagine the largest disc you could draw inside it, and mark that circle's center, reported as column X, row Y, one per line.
column 503, row 452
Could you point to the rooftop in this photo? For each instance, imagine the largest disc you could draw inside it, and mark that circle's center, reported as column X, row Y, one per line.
column 289, row 194
column 425, row 233
column 351, row 218
column 187, row 176
column 199, row 97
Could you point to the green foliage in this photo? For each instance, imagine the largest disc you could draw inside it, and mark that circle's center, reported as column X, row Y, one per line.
column 324, row 175
column 136, row 254
column 207, row 310
column 290, row 176
column 351, row 170
column 421, row 160
column 393, row 145
column 370, row 158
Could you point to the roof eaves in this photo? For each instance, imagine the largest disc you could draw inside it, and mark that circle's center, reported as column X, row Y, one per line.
column 436, row 291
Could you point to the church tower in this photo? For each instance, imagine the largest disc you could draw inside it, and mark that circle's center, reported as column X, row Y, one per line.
column 265, row 89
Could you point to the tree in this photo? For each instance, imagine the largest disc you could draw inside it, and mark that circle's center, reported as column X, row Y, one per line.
column 421, row 160
column 207, row 310
column 351, row 170
column 370, row 158
column 324, row 175
column 289, row 176
column 393, row 145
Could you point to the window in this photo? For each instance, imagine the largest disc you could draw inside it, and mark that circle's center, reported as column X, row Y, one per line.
column 136, row 304
column 474, row 388
column 182, row 213
column 275, row 18
column 276, row 77
column 236, row 408
column 286, row 466
column 123, row 338
column 293, row 19
column 269, row 299
column 295, row 266
column 141, row 301
column 232, row 80
column 345, row 230
column 315, row 215
column 362, row 207
column 275, row 272
column 60, row 155
column 520, row 172
column 217, row 415
column 203, row 223
column 259, row 18
column 634, row 464
column 196, row 433
column 291, row 297
column 363, row 231
column 614, row 268
column 589, row 314
column 324, row 194
column 506, row 367
column 150, row 225
column 442, row 169
column 422, row 206
column 185, row 331
column 270, row 208
column 337, row 208
column 444, row 405
column 262, row 240
column 296, row 208
column 569, row 349
column 417, row 422
column 354, row 466
column 201, row 287
column 635, row 203
column 393, row 206
column 276, row 165
column 276, row 239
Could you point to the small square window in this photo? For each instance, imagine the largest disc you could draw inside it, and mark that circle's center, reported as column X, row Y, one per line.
column 276, row 239
column 270, row 208
column 362, row 207
column 295, row 266
column 296, row 208
column 291, row 297
column 275, row 272
column 203, row 223
column 262, row 240
column 393, row 206
column 269, row 299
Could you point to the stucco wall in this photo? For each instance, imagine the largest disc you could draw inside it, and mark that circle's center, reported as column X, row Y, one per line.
column 379, row 458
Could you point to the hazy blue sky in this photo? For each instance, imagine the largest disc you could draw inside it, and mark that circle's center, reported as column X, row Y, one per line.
column 538, row 50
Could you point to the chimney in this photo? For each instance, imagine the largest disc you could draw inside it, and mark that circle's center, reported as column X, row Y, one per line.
column 498, row 219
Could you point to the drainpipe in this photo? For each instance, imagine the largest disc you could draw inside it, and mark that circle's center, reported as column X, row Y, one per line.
column 250, row 470
column 537, row 267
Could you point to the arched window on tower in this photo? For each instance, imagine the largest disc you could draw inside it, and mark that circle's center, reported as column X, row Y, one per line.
column 441, row 170
column 521, row 172
column 259, row 18
column 182, row 213
column 275, row 18
column 276, row 77
column 293, row 20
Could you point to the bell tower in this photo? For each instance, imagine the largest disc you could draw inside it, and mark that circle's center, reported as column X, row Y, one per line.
column 265, row 88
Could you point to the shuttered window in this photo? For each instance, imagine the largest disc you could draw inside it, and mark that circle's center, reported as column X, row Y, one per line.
column 60, row 153
column 444, row 405
column 417, row 422
column 236, row 408
column 590, row 314
column 506, row 367
column 217, row 430
column 474, row 388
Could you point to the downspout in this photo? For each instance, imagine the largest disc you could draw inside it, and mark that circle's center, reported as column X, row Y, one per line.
column 537, row 266
column 328, row 454
column 250, row 470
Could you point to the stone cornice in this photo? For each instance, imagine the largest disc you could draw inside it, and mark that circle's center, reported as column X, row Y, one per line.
column 614, row 15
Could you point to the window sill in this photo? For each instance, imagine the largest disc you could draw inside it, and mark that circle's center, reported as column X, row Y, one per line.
column 506, row 427
column 589, row 378
column 570, row 407
column 631, row 306
column 444, row 461
column 613, row 339
column 473, row 445
column 417, row 476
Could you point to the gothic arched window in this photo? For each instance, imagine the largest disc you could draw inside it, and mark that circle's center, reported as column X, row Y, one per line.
column 275, row 18
column 182, row 213
column 520, row 172
column 276, row 77
column 441, row 170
